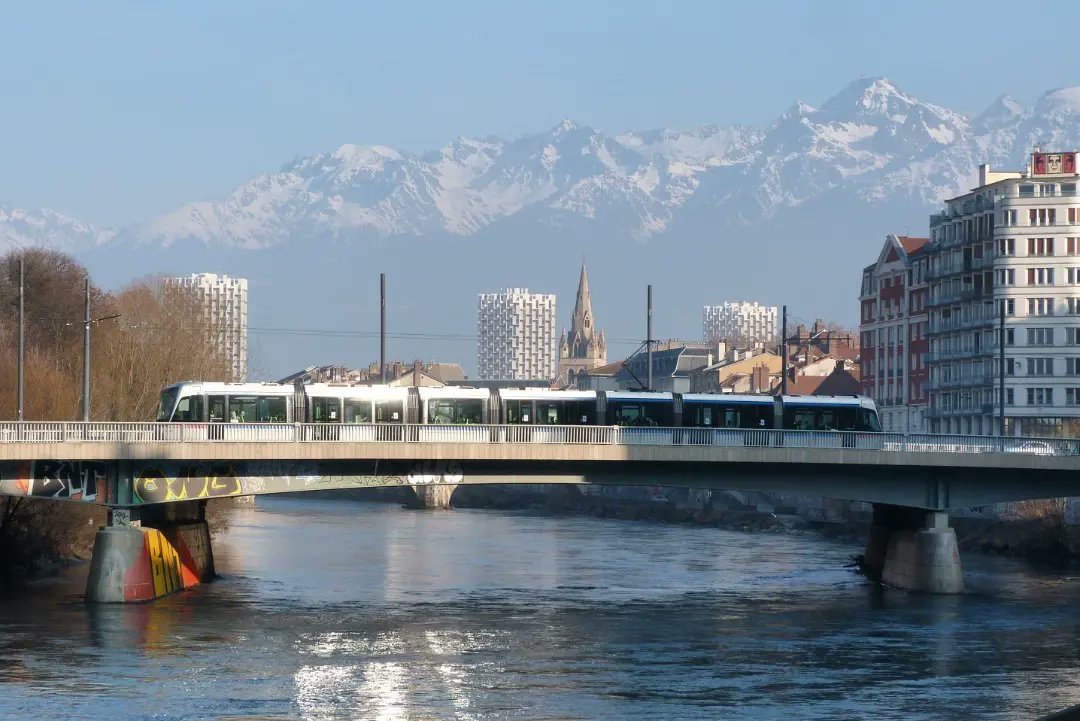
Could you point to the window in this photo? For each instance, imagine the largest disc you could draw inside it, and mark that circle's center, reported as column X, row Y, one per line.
column 1072, row 366
column 1072, row 335
column 1027, row 190
column 1040, row 396
column 1040, row 306
column 272, row 409
column 1072, row 276
column 1040, row 276
column 1040, row 336
column 1010, row 397
column 1006, row 246
column 357, row 410
column 1007, row 276
column 1073, row 216
column 1009, row 216
column 1040, row 246
column 1040, row 366
column 1072, row 246
column 1072, row 396
column 1072, row 305
column 1010, row 336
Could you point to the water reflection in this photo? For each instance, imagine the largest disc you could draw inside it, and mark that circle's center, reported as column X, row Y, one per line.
column 331, row 610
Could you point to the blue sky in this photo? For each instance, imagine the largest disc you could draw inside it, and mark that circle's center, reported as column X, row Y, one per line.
column 118, row 110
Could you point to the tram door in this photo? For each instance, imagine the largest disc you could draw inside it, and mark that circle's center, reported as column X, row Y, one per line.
column 216, row 413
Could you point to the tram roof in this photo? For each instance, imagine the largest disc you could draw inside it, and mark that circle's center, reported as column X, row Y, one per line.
column 543, row 393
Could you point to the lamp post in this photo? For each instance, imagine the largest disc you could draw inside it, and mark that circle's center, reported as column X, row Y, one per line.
column 22, row 332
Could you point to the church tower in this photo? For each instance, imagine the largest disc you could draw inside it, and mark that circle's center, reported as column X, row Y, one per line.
column 583, row 348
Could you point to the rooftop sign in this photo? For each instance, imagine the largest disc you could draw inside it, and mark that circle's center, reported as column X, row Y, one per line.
column 1053, row 163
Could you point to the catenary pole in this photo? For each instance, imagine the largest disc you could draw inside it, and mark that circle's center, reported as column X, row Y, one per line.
column 1001, row 369
column 382, row 327
column 648, row 337
column 86, row 356
column 22, row 331
column 783, row 353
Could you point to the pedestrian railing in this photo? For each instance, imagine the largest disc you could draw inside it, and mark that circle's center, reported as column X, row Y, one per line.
column 140, row 433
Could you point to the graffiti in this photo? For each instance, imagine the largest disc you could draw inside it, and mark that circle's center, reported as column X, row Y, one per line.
column 152, row 485
column 447, row 472
column 253, row 485
column 164, row 563
column 70, row 480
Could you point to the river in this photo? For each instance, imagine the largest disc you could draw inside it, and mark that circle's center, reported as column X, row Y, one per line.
column 347, row 610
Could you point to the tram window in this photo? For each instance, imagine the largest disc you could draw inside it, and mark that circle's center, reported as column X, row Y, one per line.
column 242, row 409
column 272, row 409
column 189, row 409
column 706, row 416
column 456, row 411
column 357, row 411
column 548, row 414
column 324, row 410
column 799, row 419
column 518, row 412
column 168, row 400
column 388, row 412
column 216, row 406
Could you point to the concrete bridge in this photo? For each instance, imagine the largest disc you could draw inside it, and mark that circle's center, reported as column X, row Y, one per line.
column 155, row 478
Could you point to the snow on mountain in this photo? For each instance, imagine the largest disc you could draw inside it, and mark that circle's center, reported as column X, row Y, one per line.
column 870, row 141
column 48, row 229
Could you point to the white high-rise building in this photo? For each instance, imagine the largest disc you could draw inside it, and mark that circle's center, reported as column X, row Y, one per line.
column 225, row 300
column 516, row 332
column 751, row 323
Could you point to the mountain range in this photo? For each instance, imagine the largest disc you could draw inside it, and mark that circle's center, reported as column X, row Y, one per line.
column 715, row 213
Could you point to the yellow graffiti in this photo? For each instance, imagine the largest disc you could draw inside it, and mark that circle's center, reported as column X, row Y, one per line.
column 152, row 485
column 164, row 563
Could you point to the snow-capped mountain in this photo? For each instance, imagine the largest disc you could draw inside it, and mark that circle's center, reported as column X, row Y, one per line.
column 870, row 139
column 48, row 229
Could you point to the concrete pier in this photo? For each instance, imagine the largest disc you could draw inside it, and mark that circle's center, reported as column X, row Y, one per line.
column 134, row 561
column 433, row 496
column 914, row 550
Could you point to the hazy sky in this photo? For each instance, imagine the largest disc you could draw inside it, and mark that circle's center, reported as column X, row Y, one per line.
column 115, row 111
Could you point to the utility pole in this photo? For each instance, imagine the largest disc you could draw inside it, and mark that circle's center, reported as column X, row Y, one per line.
column 382, row 328
column 783, row 353
column 648, row 337
column 86, row 357
column 1001, row 368
column 22, row 331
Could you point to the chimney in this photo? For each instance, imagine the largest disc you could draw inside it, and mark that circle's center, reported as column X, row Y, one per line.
column 416, row 374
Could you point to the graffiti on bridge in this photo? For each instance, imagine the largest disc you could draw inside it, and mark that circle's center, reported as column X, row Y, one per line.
column 157, row 485
column 67, row 480
column 436, row 472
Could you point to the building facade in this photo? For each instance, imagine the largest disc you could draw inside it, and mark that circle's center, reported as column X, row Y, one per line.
column 740, row 322
column 225, row 301
column 893, row 326
column 1011, row 246
column 583, row 348
column 516, row 331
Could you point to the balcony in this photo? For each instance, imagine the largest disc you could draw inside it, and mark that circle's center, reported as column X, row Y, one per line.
column 940, row 356
column 942, row 326
column 964, row 381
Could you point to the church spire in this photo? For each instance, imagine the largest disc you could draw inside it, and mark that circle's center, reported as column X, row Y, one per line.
column 583, row 317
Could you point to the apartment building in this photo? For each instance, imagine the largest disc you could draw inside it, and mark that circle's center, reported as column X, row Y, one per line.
column 1011, row 246
column 893, row 329
column 225, row 301
column 516, row 332
column 740, row 322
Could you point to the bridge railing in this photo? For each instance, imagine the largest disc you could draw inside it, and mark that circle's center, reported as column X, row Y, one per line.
column 137, row 433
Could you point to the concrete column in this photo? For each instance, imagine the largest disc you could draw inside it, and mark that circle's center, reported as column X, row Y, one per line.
column 433, row 496
column 914, row 550
column 134, row 561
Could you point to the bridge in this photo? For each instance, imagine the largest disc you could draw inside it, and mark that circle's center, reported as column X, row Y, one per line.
column 155, row 478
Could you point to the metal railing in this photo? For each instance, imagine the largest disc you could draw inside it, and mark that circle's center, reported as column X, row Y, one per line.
column 192, row 433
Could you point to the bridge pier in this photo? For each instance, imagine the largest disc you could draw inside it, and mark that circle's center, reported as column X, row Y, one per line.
column 150, row 552
column 913, row 549
column 433, row 496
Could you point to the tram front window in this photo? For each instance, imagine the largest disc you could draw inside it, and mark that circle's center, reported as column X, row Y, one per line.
column 168, row 402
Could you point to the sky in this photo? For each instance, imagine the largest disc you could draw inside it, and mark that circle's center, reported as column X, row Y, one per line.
column 119, row 110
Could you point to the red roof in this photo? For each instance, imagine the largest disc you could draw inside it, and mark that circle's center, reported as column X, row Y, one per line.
column 911, row 244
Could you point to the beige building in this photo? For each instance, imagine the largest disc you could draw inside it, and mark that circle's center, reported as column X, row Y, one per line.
column 753, row 370
column 225, row 301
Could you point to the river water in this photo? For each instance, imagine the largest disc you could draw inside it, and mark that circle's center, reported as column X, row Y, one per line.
column 346, row 610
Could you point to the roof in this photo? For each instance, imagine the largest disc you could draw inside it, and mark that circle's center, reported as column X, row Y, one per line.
column 445, row 372
column 912, row 244
column 606, row 370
